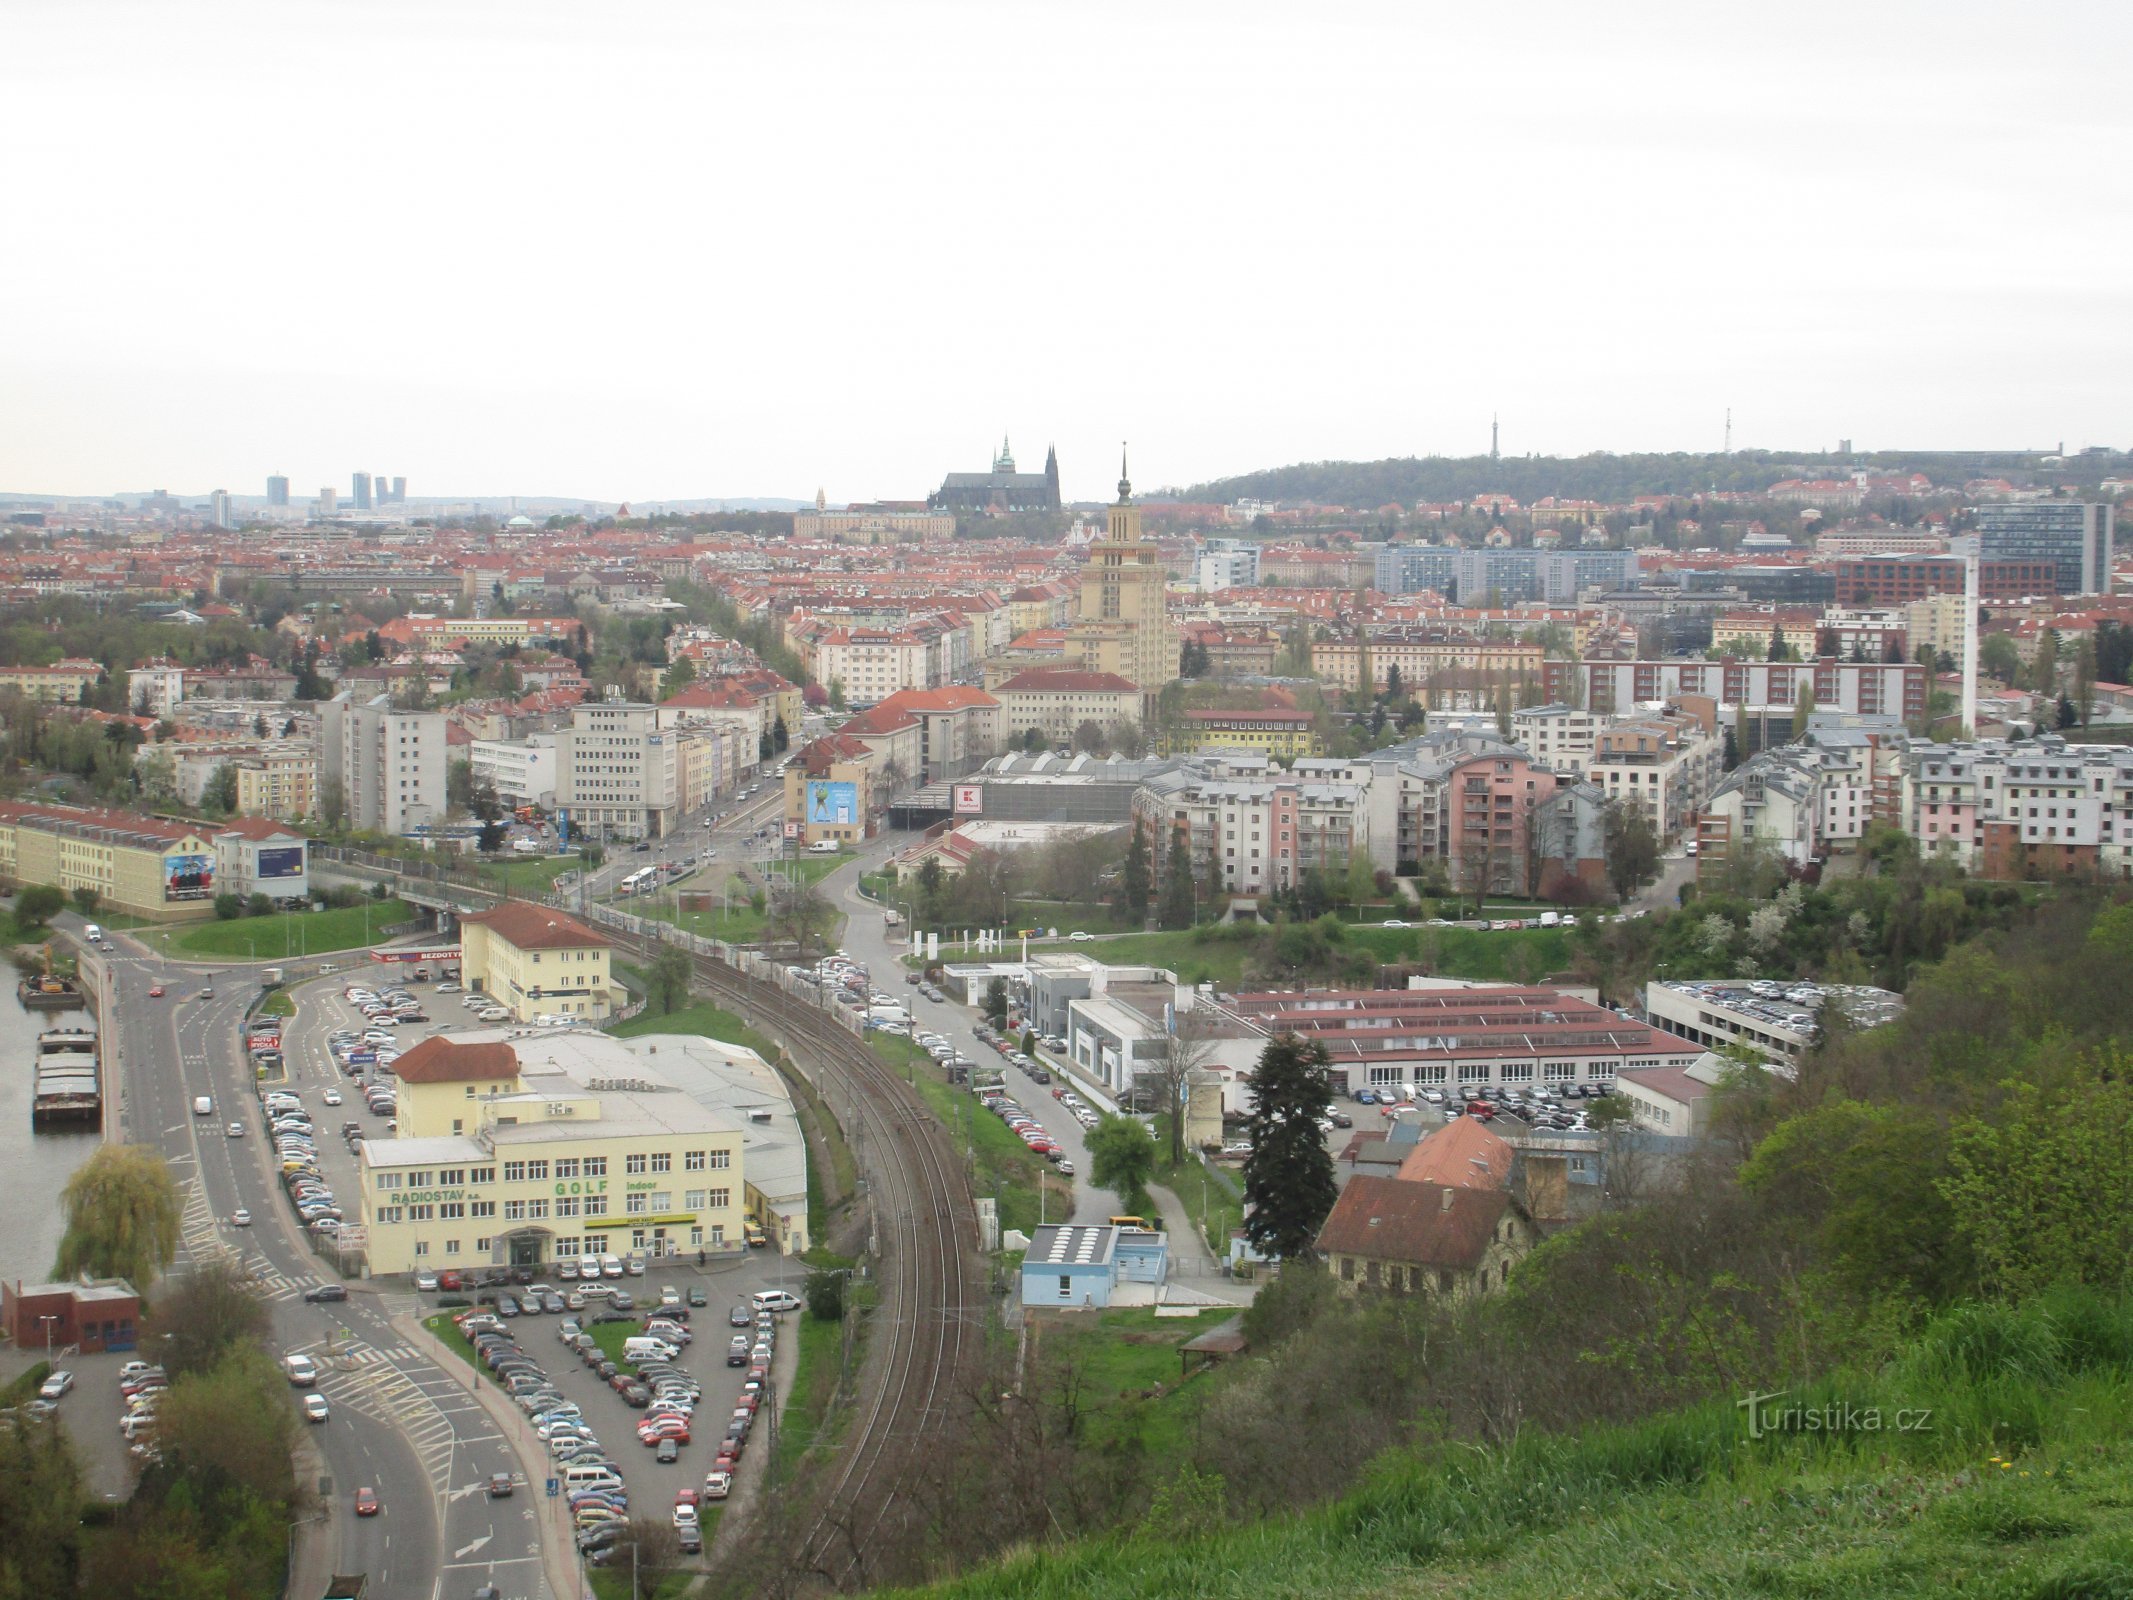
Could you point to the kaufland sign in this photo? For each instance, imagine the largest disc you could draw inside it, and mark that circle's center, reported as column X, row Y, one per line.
column 969, row 799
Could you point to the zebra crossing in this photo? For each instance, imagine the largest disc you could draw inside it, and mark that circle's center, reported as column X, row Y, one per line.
column 435, row 1414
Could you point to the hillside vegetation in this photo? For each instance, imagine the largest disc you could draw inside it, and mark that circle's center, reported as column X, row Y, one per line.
column 2010, row 1476
column 1935, row 1215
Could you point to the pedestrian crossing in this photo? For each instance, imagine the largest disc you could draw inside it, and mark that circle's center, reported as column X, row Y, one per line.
column 434, row 1413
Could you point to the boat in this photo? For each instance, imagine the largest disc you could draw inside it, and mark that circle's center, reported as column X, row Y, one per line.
column 48, row 990
column 70, row 1084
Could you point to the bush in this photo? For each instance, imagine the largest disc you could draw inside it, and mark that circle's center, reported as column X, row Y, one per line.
column 228, row 908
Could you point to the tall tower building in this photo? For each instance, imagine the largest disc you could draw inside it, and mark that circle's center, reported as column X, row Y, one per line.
column 2076, row 536
column 361, row 498
column 278, row 490
column 1119, row 623
column 399, row 491
column 218, row 509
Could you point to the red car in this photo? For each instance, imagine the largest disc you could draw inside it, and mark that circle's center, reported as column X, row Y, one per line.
column 156, row 993
column 366, row 1502
column 450, row 1282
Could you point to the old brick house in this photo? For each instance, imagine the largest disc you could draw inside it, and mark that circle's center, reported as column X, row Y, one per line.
column 1401, row 1237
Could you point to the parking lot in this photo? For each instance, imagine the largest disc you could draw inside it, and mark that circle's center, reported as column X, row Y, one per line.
column 652, row 1485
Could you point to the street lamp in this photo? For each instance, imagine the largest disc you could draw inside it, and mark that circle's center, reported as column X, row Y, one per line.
column 48, row 1319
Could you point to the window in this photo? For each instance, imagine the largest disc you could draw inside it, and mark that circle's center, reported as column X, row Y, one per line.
column 514, row 1172
column 718, row 1200
column 422, row 1247
column 419, row 1179
column 389, row 1213
column 536, row 1209
column 387, row 1180
column 481, row 1208
column 663, row 1161
column 692, row 1161
column 566, row 1168
column 693, row 1199
column 633, row 1164
column 596, row 1205
column 452, row 1210
column 537, row 1171
column 1066, row 1287
column 452, row 1178
column 514, row 1211
column 481, row 1246
column 566, row 1205
column 596, row 1166
column 635, row 1204
column 481, row 1174
column 422, row 1213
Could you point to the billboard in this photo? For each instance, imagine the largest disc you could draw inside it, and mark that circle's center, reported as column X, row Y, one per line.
column 832, row 804
column 188, row 877
column 969, row 799
column 281, row 862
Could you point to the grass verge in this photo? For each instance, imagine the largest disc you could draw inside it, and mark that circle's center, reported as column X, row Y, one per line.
column 278, row 1003
column 1001, row 1164
column 288, row 937
column 810, row 1415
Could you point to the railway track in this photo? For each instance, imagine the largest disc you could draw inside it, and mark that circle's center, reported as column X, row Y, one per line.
column 932, row 1295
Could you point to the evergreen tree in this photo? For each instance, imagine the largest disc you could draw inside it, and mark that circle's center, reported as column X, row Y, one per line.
column 1133, row 882
column 1176, row 910
column 1288, row 1178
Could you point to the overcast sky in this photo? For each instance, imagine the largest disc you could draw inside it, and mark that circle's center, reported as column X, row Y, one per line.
column 642, row 250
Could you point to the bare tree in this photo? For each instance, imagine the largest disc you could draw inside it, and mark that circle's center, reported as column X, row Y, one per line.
column 1187, row 1048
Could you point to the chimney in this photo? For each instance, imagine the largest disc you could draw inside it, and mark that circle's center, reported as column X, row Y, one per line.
column 1445, row 1197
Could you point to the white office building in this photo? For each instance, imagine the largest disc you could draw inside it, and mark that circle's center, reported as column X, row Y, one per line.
column 388, row 761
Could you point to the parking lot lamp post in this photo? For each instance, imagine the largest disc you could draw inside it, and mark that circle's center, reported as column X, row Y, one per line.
column 48, row 1319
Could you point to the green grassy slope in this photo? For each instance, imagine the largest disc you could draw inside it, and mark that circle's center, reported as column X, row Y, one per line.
column 2012, row 1476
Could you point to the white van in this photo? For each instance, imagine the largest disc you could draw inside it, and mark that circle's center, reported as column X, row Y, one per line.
column 92, row 932
column 588, row 1267
column 610, row 1266
column 203, row 1105
column 775, row 1300
column 824, row 847
column 644, row 1348
column 591, row 1477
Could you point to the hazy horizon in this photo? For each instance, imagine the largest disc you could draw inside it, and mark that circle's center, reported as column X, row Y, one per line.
column 621, row 257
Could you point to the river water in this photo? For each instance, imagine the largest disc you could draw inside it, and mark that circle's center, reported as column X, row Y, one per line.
column 34, row 1167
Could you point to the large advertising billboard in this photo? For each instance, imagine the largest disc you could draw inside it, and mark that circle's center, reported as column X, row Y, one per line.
column 832, row 804
column 188, row 877
column 282, row 862
column 969, row 799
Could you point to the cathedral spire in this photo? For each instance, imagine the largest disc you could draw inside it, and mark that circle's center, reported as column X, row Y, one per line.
column 1125, row 483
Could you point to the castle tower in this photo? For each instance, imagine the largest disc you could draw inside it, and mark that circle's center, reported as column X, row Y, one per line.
column 1120, row 623
column 1052, row 499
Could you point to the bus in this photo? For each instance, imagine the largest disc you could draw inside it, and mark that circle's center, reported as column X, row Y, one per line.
column 641, row 881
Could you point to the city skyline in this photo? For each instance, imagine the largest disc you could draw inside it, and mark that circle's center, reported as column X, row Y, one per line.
column 1606, row 230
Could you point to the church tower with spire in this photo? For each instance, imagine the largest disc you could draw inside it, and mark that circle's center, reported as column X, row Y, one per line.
column 1120, row 621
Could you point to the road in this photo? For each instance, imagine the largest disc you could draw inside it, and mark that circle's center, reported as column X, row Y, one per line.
column 726, row 826
column 401, row 1424
column 868, row 939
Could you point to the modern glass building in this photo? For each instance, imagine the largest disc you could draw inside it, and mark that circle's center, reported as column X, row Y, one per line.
column 2076, row 535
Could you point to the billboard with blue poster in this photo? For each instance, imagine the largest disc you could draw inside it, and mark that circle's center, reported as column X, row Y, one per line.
column 282, row 862
column 832, row 804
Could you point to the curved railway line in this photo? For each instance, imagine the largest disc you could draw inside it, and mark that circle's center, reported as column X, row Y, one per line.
column 932, row 1297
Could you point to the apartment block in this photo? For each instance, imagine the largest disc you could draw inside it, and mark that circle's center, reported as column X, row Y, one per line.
column 388, row 761
column 616, row 771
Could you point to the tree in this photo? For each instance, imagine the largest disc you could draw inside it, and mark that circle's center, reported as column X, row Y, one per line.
column 1360, row 881
column 491, row 838
column 1089, row 738
column 996, row 1003
column 122, row 1217
column 1121, row 1158
column 657, row 1549
column 1778, row 649
column 41, row 1498
column 459, row 785
column 1803, row 708
column 204, row 1315
column 668, row 976
column 1288, row 1178
column 825, row 1296
column 87, row 899
column 836, row 694
column 258, row 905
column 797, row 914
column 1177, row 908
column 1632, row 849
column 2085, row 680
column 1186, row 1049
column 228, row 907
column 219, row 793
column 38, row 904
column 2044, row 669
column 1997, row 658
column 679, row 677
column 1133, row 883
column 2066, row 715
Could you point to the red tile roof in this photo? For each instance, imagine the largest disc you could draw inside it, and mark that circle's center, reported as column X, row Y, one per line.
column 1066, row 680
column 1424, row 1224
column 533, row 927
column 1460, row 1155
column 440, row 1060
column 956, row 697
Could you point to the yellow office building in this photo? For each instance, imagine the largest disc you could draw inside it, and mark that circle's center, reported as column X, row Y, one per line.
column 537, row 962
column 526, row 1149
